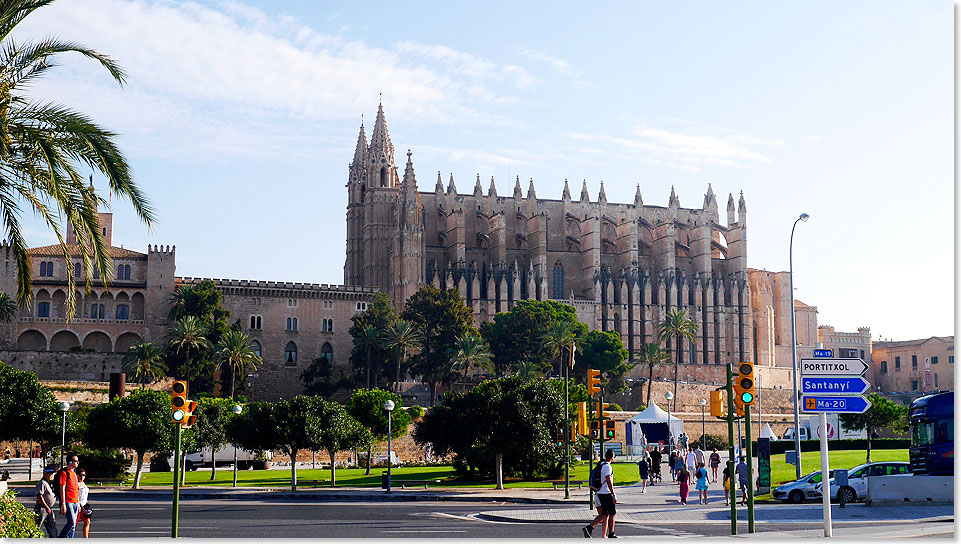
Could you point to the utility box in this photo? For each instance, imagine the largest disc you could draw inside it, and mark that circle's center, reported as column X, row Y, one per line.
column 841, row 477
column 790, row 457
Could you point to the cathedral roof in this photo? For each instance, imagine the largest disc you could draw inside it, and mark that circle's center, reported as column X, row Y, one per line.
column 74, row 251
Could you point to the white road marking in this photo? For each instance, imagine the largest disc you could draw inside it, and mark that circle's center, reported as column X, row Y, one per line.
column 421, row 531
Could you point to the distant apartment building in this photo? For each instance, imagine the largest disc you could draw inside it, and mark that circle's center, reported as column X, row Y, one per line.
column 914, row 365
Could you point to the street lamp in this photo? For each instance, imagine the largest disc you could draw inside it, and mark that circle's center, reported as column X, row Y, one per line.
column 702, row 402
column 670, row 435
column 64, row 407
column 389, row 406
column 236, row 409
column 797, row 414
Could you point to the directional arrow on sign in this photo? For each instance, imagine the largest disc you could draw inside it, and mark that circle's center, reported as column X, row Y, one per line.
column 834, row 385
column 835, row 404
column 833, row 367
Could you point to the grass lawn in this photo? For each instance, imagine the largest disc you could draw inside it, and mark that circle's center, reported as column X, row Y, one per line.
column 624, row 474
column 782, row 472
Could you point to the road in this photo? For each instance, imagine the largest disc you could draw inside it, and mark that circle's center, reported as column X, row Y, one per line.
column 291, row 518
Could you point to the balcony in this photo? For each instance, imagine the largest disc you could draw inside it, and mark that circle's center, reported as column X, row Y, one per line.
column 82, row 320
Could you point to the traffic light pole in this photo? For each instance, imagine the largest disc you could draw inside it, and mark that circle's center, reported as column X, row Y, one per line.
column 730, row 436
column 567, row 433
column 176, row 505
column 590, row 454
column 750, row 469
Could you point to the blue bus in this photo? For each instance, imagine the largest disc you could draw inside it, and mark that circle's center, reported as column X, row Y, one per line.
column 932, row 434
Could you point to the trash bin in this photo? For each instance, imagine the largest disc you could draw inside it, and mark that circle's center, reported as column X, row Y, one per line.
column 383, row 480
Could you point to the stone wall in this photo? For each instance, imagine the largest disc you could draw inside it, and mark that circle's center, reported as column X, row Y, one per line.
column 65, row 365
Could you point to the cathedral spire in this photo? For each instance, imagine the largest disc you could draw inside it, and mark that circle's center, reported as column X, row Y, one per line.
column 567, row 191
column 380, row 139
column 478, row 190
column 531, row 195
column 730, row 209
column 585, row 196
column 709, row 199
column 361, row 148
column 741, row 205
column 439, row 188
column 492, row 192
column 517, row 188
column 409, row 185
column 602, row 196
column 451, row 188
column 638, row 201
column 674, row 201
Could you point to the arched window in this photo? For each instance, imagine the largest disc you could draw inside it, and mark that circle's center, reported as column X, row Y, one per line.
column 327, row 354
column 327, row 325
column 43, row 268
column 255, row 345
column 43, row 309
column 123, row 312
column 77, row 270
column 253, row 322
column 119, row 271
column 383, row 176
column 49, row 268
column 100, row 312
column 290, row 353
column 126, row 271
column 558, row 287
column 96, row 272
column 291, row 323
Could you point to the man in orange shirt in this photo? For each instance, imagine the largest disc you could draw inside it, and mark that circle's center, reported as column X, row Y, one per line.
column 69, row 496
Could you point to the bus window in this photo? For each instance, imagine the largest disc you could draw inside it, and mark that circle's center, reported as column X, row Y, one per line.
column 945, row 432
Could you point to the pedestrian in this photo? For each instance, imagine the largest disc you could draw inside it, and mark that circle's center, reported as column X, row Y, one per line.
column 643, row 470
column 699, row 455
column 741, row 471
column 671, row 441
column 671, row 459
column 606, row 498
column 84, row 496
column 683, row 441
column 702, row 484
column 726, row 475
column 17, row 453
column 655, row 465
column 45, row 500
column 715, row 461
column 69, row 496
column 684, row 482
column 691, row 461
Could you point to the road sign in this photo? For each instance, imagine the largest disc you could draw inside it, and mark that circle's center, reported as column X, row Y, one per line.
column 833, row 367
column 834, row 385
column 821, row 353
column 836, row 404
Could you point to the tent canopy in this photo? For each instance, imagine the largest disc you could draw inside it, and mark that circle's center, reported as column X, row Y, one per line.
column 655, row 423
column 766, row 432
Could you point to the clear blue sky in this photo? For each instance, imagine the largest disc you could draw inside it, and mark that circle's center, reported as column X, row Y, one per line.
column 240, row 120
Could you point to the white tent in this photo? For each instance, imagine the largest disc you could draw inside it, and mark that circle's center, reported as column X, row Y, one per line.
column 654, row 423
column 766, row 432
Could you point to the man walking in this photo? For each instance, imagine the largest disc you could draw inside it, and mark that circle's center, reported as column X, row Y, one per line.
column 69, row 497
column 45, row 500
column 605, row 496
column 691, row 461
column 698, row 456
column 741, row 471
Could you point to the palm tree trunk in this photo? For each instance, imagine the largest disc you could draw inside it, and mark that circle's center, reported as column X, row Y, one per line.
column 187, row 377
column 649, row 383
column 368, row 367
column 677, row 361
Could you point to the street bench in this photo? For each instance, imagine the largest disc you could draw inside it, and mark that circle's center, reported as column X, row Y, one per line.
column 560, row 483
column 109, row 481
column 404, row 484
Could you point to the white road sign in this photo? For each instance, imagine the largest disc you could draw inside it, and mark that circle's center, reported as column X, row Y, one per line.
column 833, row 367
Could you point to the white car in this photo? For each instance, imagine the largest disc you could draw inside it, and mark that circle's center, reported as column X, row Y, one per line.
column 857, row 487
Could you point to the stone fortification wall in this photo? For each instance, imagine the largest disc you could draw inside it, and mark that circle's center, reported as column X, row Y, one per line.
column 65, row 365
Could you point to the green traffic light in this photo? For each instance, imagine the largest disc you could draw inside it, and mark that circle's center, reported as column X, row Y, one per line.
column 747, row 397
column 178, row 415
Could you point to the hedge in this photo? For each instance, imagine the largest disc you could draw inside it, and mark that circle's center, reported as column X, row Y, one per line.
column 16, row 521
column 780, row 446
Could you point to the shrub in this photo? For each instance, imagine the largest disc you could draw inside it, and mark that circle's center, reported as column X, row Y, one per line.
column 712, row 441
column 416, row 412
column 15, row 520
column 103, row 463
column 159, row 463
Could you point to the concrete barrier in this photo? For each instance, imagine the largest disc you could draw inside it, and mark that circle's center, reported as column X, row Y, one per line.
column 910, row 489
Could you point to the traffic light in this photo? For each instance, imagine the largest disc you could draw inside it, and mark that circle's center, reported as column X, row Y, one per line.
column 191, row 416
column 609, row 429
column 744, row 386
column 593, row 381
column 717, row 403
column 178, row 402
column 559, row 436
column 595, row 430
column 582, row 418
column 600, row 410
column 574, row 432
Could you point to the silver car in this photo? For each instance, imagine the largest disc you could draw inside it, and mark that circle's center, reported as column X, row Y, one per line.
column 857, row 487
column 800, row 490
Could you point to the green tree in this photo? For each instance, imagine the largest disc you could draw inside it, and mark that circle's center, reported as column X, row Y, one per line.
column 367, row 407
column 139, row 421
column 340, row 432
column 44, row 148
column 28, row 410
column 210, row 429
column 527, row 371
column 203, row 301
column 144, row 362
column 8, row 308
column 518, row 335
column 234, row 352
column 298, row 423
column 368, row 352
column 319, row 379
column 676, row 325
column 400, row 338
column 559, row 340
column 255, row 429
column 604, row 351
column 470, row 351
column 186, row 335
column 440, row 317
column 883, row 414
column 652, row 355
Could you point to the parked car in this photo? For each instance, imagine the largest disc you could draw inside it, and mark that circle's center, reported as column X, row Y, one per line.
column 800, row 490
column 224, row 457
column 857, row 487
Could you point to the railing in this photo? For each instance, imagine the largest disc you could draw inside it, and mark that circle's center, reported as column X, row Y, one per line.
column 81, row 320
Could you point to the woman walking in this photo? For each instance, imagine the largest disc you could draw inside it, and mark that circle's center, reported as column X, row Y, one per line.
column 671, row 460
column 715, row 461
column 678, row 464
column 701, row 484
column 726, row 475
column 643, row 469
column 684, row 480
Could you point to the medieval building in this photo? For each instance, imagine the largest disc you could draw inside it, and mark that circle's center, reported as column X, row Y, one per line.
column 622, row 266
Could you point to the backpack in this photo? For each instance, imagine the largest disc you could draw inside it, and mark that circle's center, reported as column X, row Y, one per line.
column 595, row 480
column 55, row 483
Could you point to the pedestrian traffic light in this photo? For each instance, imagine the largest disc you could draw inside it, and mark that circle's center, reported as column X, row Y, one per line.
column 582, row 418
column 744, row 386
column 191, row 416
column 595, row 430
column 559, row 436
column 593, row 381
column 178, row 402
column 574, row 432
column 609, row 429
column 717, row 403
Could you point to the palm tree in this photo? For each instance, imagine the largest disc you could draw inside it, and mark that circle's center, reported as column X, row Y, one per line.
column 44, row 147
column 234, row 351
column 652, row 355
column 470, row 350
column 145, row 362
column 8, row 308
column 558, row 339
column 527, row 370
column 677, row 325
column 369, row 338
column 188, row 334
column 400, row 337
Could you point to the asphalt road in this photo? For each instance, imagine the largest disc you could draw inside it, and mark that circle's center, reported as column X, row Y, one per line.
column 282, row 518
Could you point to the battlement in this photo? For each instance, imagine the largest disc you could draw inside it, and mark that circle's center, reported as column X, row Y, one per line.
column 161, row 250
column 296, row 286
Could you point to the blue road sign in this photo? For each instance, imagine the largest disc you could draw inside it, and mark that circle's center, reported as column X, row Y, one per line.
column 823, row 353
column 836, row 404
column 834, row 385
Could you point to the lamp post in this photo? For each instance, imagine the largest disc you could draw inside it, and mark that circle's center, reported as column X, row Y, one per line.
column 670, row 435
column 797, row 413
column 703, row 443
column 236, row 409
column 64, row 407
column 389, row 406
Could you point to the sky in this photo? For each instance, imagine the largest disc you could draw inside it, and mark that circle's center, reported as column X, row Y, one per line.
column 240, row 120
